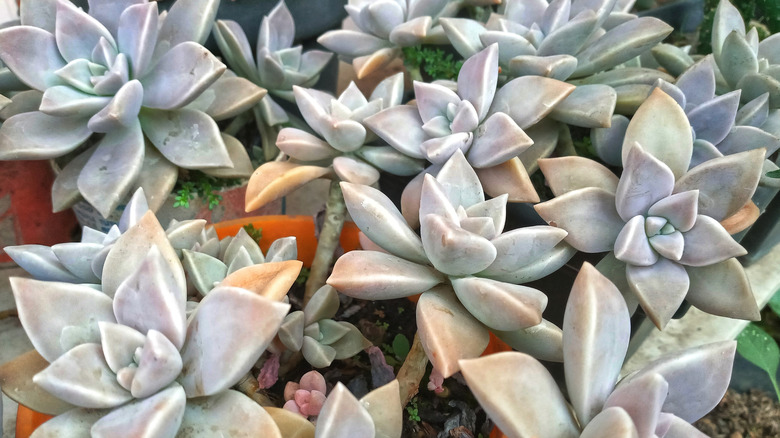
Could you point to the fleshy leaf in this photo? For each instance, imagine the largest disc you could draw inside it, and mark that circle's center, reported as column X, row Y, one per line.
column 378, row 218
column 188, row 138
column 376, row 275
column 566, row 174
column 82, row 377
column 588, row 215
column 228, row 412
column 596, row 331
column 498, row 305
column 447, row 330
column 722, row 289
column 32, row 55
column 343, row 415
column 693, row 393
column 645, row 181
column 271, row 280
column 500, row 387
column 130, row 250
column 453, row 250
column 276, row 179
column 157, row 416
column 661, row 110
column 740, row 172
column 660, row 288
column 46, row 308
column 214, row 361
column 613, row 422
column 38, row 136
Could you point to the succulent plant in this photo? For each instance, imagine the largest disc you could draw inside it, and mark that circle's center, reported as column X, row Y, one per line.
column 719, row 126
column 314, row 333
column 521, row 396
column 83, row 262
column 210, row 259
column 307, row 396
column 343, row 145
column 562, row 39
column 140, row 369
column 118, row 83
column 465, row 266
column 277, row 65
column 380, row 28
column 484, row 124
column 660, row 221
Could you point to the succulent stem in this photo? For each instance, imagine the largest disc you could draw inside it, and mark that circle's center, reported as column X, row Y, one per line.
column 414, row 73
column 412, row 371
column 335, row 213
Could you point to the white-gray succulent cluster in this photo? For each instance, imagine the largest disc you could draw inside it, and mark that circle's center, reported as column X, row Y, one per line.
column 277, row 65
column 128, row 94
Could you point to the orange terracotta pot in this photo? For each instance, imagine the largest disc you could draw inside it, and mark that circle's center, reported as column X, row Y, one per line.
column 25, row 207
column 28, row 420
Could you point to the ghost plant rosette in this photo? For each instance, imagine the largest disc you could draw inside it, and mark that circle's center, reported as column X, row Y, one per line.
column 140, row 368
column 381, row 28
column 137, row 84
column 660, row 220
column 343, row 144
column 485, row 124
column 465, row 266
column 660, row 400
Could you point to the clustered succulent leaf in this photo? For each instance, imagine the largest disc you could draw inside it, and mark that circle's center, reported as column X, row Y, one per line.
column 211, row 259
column 132, row 95
column 483, row 123
column 140, row 368
column 661, row 399
column 343, row 146
column 561, row 39
column 463, row 264
column 660, row 220
column 720, row 127
column 381, row 28
column 276, row 66
column 314, row 333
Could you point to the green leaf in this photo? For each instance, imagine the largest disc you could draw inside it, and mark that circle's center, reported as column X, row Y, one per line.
column 400, row 346
column 755, row 345
column 774, row 174
column 774, row 303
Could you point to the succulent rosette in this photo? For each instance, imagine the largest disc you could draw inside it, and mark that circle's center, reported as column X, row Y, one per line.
column 380, row 28
column 720, row 127
column 465, row 266
column 141, row 87
column 486, row 125
column 277, row 65
column 343, row 147
column 319, row 337
column 211, row 259
column 659, row 220
column 151, row 373
column 660, row 400
column 83, row 262
column 561, row 39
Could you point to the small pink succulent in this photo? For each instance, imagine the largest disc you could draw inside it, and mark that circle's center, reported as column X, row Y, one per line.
column 308, row 396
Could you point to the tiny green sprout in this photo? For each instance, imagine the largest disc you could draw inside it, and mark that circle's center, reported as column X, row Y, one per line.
column 413, row 411
column 401, row 310
column 382, row 324
column 255, row 233
column 303, row 276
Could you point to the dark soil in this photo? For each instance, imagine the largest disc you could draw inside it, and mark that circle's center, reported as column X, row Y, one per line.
column 755, row 414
